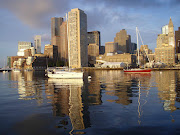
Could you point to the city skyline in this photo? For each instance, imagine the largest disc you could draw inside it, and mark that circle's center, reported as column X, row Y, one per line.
column 21, row 20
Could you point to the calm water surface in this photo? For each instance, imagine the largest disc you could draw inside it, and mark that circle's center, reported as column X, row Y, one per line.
column 111, row 102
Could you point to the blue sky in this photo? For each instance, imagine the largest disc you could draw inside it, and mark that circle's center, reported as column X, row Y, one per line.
column 21, row 20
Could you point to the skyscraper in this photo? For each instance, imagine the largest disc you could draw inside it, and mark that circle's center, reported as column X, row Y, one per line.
column 55, row 31
column 37, row 43
column 63, row 49
column 165, row 51
column 55, row 25
column 123, row 40
column 77, row 38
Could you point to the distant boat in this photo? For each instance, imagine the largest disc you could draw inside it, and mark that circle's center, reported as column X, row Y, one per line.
column 138, row 70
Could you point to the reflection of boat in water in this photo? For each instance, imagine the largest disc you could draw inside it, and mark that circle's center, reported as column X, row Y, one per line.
column 138, row 75
column 4, row 71
column 141, row 102
column 16, row 70
column 28, row 69
column 78, row 82
column 64, row 73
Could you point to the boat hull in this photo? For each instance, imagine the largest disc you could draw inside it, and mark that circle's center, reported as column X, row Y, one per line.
column 138, row 71
column 66, row 75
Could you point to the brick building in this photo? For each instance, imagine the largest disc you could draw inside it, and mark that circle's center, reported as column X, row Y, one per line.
column 111, row 47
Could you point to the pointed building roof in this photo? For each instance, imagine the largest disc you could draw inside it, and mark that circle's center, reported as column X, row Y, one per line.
column 170, row 23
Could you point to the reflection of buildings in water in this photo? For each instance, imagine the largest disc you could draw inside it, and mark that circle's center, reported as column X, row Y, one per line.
column 116, row 85
column 27, row 88
column 166, row 83
column 178, row 86
column 144, row 78
column 94, row 90
column 141, row 86
column 59, row 93
column 75, row 109
column 67, row 100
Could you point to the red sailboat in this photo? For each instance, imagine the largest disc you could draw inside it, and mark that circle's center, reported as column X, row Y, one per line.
column 138, row 70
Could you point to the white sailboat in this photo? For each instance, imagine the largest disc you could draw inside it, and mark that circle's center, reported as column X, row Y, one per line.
column 64, row 73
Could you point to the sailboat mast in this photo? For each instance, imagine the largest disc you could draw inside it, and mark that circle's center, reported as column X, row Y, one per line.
column 137, row 44
column 68, row 39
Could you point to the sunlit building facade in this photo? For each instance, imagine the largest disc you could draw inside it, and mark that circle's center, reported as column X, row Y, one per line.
column 77, row 38
column 165, row 51
column 111, row 47
column 55, row 32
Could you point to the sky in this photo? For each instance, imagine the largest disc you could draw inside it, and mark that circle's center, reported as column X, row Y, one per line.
column 21, row 20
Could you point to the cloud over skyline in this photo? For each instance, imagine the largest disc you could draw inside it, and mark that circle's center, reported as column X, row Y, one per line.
column 35, row 13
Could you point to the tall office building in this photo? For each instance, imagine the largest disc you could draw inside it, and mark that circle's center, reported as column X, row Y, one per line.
column 37, row 43
column 55, row 31
column 63, row 49
column 165, row 51
column 123, row 40
column 55, row 26
column 177, row 38
column 77, row 38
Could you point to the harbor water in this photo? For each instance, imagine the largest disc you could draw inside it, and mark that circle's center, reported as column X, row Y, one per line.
column 110, row 102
